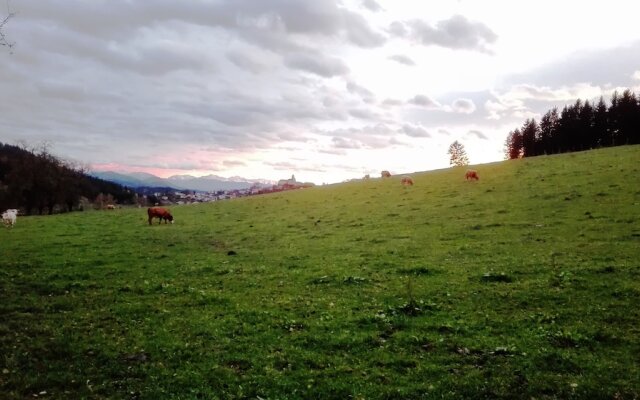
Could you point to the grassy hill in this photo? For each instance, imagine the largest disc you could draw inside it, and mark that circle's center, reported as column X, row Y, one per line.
column 523, row 284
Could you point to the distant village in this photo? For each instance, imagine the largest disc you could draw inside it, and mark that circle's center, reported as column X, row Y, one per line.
column 191, row 197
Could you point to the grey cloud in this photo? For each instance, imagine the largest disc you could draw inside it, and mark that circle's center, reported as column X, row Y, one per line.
column 424, row 101
column 449, row 112
column 360, row 33
column 391, row 103
column 371, row 5
column 291, row 136
column 363, row 113
column 112, row 77
column 394, row 141
column 231, row 113
column 317, row 64
column 283, row 165
column 398, row 29
column 343, row 143
column 415, row 131
column 478, row 134
column 604, row 67
column 121, row 18
column 402, row 59
column 378, row 136
column 335, row 152
column 361, row 91
column 62, row 91
column 245, row 62
column 456, row 32
column 464, row 106
column 330, row 101
column 60, row 44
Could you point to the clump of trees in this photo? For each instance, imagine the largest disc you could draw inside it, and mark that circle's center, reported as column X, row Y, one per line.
column 37, row 182
column 581, row 126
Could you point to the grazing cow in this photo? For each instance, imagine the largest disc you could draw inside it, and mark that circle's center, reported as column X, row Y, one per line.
column 471, row 174
column 386, row 174
column 10, row 217
column 111, row 207
column 160, row 213
column 407, row 181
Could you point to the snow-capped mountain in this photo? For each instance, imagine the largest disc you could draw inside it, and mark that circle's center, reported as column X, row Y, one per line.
column 208, row 183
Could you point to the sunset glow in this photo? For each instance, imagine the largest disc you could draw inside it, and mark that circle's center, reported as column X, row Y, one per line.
column 328, row 90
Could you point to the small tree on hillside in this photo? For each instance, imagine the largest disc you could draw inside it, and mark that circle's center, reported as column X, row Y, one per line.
column 457, row 154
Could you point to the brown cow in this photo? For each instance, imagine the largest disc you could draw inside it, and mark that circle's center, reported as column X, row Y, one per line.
column 160, row 213
column 386, row 174
column 407, row 181
column 471, row 174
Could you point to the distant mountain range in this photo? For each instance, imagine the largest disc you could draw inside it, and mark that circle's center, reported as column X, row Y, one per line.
column 208, row 183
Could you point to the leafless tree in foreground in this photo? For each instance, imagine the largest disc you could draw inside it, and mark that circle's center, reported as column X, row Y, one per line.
column 3, row 38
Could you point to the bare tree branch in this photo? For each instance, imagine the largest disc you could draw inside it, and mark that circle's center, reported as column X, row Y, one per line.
column 3, row 38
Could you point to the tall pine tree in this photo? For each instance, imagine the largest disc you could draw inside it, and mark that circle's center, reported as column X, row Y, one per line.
column 548, row 132
column 600, row 125
column 529, row 132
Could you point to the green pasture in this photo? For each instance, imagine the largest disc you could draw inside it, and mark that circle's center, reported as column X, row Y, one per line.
column 525, row 284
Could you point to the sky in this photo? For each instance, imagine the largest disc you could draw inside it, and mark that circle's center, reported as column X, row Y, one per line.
column 328, row 90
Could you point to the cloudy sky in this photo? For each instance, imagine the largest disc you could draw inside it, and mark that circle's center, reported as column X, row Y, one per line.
column 327, row 90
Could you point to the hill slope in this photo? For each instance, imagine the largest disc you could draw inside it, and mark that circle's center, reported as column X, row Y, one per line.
column 524, row 284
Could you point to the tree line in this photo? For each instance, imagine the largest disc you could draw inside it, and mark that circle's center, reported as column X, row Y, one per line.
column 581, row 126
column 37, row 182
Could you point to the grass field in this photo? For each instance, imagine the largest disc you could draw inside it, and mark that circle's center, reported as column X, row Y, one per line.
column 524, row 284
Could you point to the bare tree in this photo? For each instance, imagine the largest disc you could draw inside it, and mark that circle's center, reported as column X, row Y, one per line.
column 3, row 23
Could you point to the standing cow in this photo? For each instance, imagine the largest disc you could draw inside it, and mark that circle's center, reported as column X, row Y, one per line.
column 471, row 175
column 386, row 174
column 10, row 217
column 160, row 213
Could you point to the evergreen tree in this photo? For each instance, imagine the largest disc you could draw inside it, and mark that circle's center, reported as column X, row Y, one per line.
column 614, row 120
column 628, row 118
column 547, row 132
column 513, row 145
column 567, row 129
column 579, row 126
column 585, row 126
column 529, row 132
column 457, row 154
column 600, row 125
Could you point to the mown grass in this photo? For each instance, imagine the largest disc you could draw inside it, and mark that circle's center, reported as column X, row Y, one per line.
column 521, row 285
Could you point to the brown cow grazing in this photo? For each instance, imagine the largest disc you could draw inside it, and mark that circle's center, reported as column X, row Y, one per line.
column 160, row 213
column 407, row 181
column 471, row 174
column 386, row 174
